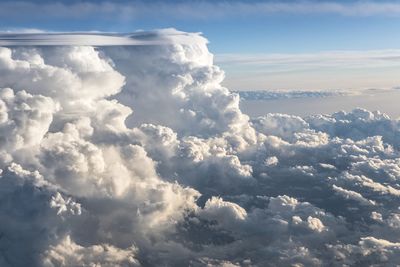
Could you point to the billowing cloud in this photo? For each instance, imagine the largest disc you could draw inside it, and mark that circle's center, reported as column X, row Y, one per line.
column 137, row 156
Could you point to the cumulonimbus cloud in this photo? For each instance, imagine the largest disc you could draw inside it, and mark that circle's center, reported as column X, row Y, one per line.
column 137, row 156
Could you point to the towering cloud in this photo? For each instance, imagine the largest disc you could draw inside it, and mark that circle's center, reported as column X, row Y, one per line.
column 135, row 155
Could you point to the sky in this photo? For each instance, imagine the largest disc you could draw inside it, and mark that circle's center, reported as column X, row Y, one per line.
column 244, row 35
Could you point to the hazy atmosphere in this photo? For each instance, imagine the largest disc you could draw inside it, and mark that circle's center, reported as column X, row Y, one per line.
column 199, row 133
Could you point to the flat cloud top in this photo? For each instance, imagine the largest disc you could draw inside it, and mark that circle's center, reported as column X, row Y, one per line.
column 156, row 37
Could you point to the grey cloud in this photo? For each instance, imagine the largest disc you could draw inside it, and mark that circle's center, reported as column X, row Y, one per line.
column 275, row 94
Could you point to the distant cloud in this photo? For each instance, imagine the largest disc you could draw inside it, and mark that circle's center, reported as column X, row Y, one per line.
column 312, row 71
column 346, row 59
column 289, row 94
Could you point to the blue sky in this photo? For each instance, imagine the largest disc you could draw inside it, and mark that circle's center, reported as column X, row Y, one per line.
column 237, row 27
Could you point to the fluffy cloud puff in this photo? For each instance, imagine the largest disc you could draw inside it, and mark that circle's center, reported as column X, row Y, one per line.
column 137, row 156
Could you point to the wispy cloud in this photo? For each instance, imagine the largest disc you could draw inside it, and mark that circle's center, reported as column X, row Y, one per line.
column 312, row 71
column 329, row 59
column 190, row 9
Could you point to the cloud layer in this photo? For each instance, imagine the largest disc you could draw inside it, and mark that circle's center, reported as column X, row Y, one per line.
column 137, row 156
column 200, row 10
column 37, row 38
column 262, row 95
column 351, row 69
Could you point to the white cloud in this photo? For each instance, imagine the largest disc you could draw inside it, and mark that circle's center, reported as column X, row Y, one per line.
column 42, row 38
column 136, row 155
column 68, row 253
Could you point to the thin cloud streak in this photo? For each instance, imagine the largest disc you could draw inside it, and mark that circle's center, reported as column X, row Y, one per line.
column 312, row 71
column 342, row 59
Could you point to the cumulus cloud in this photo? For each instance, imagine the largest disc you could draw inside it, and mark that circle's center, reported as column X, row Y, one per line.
column 137, row 156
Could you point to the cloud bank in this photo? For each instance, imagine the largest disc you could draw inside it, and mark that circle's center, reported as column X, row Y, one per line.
column 137, row 156
column 262, row 95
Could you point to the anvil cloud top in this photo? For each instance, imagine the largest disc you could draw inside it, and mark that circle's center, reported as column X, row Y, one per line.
column 156, row 37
